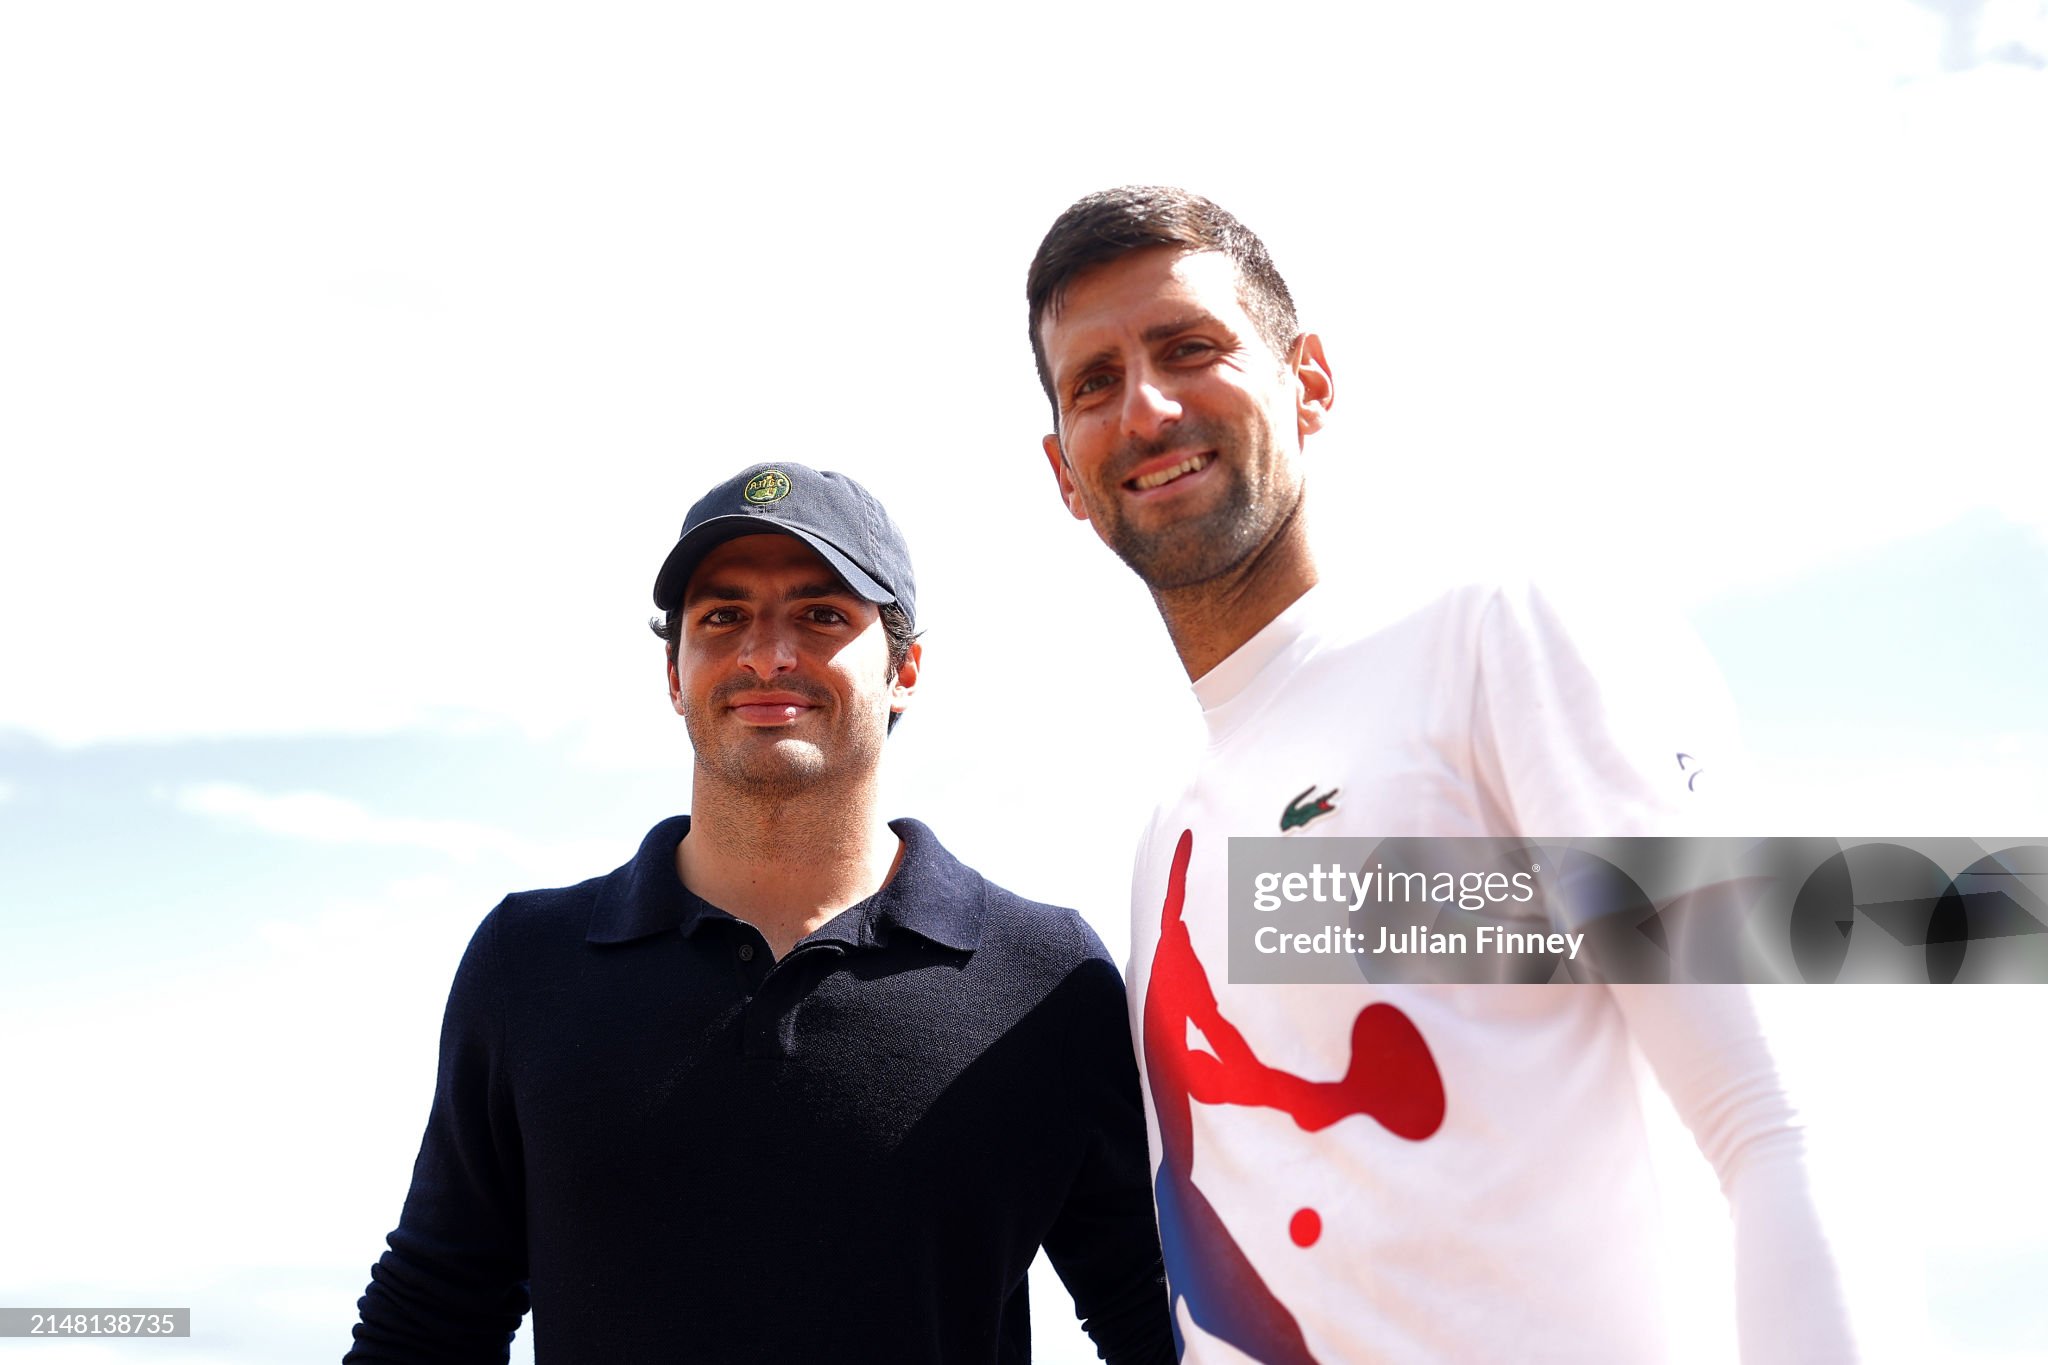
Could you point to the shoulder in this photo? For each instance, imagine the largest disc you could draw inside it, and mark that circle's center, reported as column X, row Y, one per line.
column 1022, row 939
column 1377, row 627
column 1632, row 656
column 522, row 942
column 1604, row 638
column 614, row 906
column 525, row 937
column 1049, row 955
column 1598, row 709
column 1611, row 627
column 1476, row 612
column 1029, row 958
column 547, row 912
column 938, row 895
column 1055, row 936
column 1465, row 616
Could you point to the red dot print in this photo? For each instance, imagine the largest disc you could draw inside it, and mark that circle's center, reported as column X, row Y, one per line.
column 1305, row 1227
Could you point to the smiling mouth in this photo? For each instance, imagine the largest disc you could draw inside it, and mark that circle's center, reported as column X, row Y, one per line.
column 771, row 708
column 1159, row 478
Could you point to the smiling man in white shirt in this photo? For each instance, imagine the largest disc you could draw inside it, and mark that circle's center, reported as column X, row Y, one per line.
column 1383, row 1172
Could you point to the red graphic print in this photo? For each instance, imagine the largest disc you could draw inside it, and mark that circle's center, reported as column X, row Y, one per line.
column 1391, row 1078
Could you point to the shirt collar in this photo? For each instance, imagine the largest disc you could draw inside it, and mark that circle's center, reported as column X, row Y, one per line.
column 1289, row 633
column 1241, row 686
column 932, row 895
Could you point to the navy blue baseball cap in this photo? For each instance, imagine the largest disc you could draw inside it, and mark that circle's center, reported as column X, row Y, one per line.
column 829, row 512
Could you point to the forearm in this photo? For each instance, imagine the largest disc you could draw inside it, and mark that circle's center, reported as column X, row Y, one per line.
column 1104, row 1243
column 427, row 1307
column 1129, row 1327
column 1788, row 1302
column 1709, row 1054
column 452, row 1288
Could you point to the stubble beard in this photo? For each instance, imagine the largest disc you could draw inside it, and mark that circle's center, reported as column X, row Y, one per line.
column 774, row 765
column 1209, row 544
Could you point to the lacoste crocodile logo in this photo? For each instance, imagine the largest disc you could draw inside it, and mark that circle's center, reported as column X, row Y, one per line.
column 1296, row 815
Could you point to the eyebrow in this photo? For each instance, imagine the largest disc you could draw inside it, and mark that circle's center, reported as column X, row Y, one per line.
column 735, row 592
column 1151, row 336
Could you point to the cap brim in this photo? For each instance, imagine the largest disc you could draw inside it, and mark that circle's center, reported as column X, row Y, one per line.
column 682, row 561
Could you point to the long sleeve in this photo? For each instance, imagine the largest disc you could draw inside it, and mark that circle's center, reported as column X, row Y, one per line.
column 452, row 1287
column 1105, row 1241
column 1709, row 1054
column 1592, row 726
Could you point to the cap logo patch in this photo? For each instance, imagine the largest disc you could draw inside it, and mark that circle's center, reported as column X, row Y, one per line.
column 770, row 485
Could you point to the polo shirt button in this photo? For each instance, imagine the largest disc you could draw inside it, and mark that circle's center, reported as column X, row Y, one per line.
column 746, row 952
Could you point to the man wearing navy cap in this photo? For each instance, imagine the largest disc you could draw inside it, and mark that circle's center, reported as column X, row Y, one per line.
column 793, row 1084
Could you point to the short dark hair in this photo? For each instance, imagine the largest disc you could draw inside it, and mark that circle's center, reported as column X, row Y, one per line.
column 1110, row 224
column 896, row 624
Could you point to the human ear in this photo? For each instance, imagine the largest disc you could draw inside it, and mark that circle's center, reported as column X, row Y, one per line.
column 1315, row 391
column 1069, row 495
column 675, row 684
column 905, row 681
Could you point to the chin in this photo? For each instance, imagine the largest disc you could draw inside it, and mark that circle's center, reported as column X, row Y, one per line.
column 785, row 766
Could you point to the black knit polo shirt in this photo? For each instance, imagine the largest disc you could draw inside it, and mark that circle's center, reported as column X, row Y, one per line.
column 685, row 1151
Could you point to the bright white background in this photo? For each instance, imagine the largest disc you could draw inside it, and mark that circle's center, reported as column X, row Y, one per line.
column 357, row 365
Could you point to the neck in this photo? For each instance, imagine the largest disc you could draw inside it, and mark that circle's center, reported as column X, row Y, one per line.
column 1208, row 621
column 785, row 862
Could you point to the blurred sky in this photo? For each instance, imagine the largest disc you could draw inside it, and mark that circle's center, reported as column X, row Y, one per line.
column 358, row 363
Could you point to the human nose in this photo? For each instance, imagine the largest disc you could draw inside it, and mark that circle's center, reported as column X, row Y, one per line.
column 1149, row 405
column 767, row 649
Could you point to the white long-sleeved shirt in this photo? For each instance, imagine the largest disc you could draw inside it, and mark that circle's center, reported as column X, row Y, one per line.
column 1519, row 1225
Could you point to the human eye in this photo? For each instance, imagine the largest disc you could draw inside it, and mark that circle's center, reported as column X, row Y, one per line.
column 719, row 616
column 1091, row 384
column 1188, row 348
column 823, row 615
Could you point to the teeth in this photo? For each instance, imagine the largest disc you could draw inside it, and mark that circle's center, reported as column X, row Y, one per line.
column 1187, row 466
